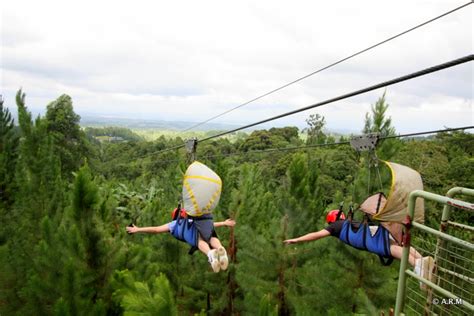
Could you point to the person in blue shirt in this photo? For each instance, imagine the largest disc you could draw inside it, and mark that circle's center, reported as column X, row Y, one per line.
column 208, row 243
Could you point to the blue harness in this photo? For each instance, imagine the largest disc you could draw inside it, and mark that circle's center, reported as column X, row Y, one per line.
column 185, row 230
column 362, row 239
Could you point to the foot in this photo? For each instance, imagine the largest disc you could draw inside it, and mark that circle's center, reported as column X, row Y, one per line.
column 424, row 268
column 214, row 260
column 429, row 268
column 417, row 268
column 223, row 260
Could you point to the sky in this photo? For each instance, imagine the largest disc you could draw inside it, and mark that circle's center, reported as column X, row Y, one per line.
column 191, row 60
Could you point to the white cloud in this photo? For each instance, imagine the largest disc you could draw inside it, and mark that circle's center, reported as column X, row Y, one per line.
column 190, row 60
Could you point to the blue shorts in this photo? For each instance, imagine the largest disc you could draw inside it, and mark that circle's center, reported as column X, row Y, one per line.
column 205, row 227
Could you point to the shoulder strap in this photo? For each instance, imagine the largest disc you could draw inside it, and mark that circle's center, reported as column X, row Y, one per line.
column 350, row 214
column 379, row 201
column 177, row 214
column 339, row 215
column 364, row 235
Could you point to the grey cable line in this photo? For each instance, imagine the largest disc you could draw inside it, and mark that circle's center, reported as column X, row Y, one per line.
column 419, row 73
column 281, row 149
column 329, row 66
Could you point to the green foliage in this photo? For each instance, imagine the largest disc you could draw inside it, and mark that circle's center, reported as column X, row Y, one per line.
column 64, row 249
column 137, row 298
column 8, row 156
column 267, row 307
column 85, row 196
column 378, row 122
column 275, row 137
column 62, row 124
column 290, row 134
column 113, row 134
column 62, row 119
column 315, row 130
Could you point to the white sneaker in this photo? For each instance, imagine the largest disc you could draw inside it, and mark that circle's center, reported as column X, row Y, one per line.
column 424, row 268
column 214, row 260
column 417, row 268
column 223, row 260
column 427, row 268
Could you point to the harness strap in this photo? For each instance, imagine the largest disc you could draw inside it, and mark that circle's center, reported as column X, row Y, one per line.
column 182, row 224
column 379, row 201
column 364, row 240
column 177, row 213
column 200, row 218
column 350, row 214
column 385, row 263
column 339, row 213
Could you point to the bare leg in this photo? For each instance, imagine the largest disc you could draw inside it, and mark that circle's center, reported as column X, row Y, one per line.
column 211, row 254
column 396, row 252
column 223, row 259
column 415, row 253
column 215, row 243
column 203, row 246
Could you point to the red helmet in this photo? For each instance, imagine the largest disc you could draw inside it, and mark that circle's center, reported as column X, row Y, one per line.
column 332, row 216
column 182, row 213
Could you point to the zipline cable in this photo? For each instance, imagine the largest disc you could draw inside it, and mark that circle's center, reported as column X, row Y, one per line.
column 281, row 149
column 354, row 93
column 420, row 73
column 329, row 66
column 344, row 142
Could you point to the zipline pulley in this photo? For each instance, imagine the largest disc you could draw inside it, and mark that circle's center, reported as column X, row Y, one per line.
column 366, row 142
column 191, row 146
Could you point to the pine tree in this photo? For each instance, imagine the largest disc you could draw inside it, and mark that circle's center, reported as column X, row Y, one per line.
column 378, row 122
column 137, row 298
column 63, row 124
column 85, row 203
column 38, row 193
column 8, row 156
column 315, row 130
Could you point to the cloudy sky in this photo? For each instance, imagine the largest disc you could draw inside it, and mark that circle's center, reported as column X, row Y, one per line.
column 190, row 60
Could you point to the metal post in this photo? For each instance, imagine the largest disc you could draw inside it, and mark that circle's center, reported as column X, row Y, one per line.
column 451, row 194
column 402, row 277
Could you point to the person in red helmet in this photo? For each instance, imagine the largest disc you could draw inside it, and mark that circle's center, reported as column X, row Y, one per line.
column 335, row 220
column 332, row 216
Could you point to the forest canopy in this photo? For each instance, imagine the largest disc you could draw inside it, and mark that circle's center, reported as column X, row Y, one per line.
column 67, row 194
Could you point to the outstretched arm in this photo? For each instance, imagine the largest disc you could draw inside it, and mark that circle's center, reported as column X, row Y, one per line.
column 148, row 230
column 228, row 222
column 308, row 237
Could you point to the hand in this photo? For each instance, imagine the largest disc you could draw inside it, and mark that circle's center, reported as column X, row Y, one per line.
column 229, row 222
column 131, row 229
column 291, row 241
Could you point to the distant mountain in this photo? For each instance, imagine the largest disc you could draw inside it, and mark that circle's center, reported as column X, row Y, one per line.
column 101, row 121
column 95, row 121
column 91, row 120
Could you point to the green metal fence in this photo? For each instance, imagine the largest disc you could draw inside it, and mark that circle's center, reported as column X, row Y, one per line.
column 449, row 289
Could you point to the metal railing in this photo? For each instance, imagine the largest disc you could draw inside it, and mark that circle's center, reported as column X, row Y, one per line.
column 450, row 290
